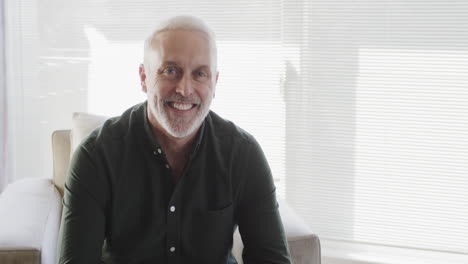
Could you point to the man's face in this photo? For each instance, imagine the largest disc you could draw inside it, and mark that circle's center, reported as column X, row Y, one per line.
column 179, row 81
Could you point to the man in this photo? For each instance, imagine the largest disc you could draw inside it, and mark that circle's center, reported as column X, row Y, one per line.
column 169, row 180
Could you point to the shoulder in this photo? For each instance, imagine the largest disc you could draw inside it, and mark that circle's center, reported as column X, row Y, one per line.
column 116, row 128
column 227, row 131
column 120, row 126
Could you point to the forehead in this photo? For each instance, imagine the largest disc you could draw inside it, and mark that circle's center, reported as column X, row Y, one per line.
column 183, row 47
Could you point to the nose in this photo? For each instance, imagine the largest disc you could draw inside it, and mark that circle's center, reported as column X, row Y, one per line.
column 185, row 85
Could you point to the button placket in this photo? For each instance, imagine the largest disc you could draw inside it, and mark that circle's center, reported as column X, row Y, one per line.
column 157, row 151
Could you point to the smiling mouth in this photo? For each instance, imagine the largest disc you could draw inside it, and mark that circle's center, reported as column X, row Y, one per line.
column 181, row 106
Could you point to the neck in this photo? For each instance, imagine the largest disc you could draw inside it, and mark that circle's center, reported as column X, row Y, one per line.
column 170, row 143
column 177, row 150
column 174, row 145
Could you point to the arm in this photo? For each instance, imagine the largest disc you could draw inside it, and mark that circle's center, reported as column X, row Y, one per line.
column 260, row 224
column 83, row 219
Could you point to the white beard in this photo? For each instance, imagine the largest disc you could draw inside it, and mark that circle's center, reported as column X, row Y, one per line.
column 180, row 127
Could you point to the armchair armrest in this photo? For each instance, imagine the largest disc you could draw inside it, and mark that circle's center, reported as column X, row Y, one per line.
column 304, row 245
column 61, row 157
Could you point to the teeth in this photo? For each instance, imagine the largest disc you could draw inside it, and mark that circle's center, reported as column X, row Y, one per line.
column 182, row 106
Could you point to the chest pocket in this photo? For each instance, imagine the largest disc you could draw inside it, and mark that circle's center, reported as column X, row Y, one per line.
column 211, row 236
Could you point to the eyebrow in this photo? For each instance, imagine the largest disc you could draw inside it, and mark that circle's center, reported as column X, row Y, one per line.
column 169, row 63
column 173, row 63
column 203, row 67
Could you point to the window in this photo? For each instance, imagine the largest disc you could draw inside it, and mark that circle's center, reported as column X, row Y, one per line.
column 360, row 106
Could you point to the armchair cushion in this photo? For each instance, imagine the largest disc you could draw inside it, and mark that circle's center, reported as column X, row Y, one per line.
column 82, row 125
column 30, row 210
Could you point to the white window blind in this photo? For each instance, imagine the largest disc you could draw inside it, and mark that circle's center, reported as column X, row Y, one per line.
column 377, row 122
column 360, row 106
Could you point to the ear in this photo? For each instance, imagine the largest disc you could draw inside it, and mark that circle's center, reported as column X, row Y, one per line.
column 216, row 82
column 142, row 73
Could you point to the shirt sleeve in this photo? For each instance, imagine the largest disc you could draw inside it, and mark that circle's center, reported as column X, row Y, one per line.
column 82, row 229
column 259, row 220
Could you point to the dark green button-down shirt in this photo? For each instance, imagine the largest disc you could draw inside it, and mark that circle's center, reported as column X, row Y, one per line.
column 122, row 206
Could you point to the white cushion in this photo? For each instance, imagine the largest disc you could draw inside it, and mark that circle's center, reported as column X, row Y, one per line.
column 31, row 209
column 82, row 125
column 294, row 226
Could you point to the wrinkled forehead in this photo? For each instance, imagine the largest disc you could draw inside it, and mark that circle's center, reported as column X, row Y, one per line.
column 185, row 47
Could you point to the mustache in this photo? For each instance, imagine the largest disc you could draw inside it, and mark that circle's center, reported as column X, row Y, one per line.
column 182, row 99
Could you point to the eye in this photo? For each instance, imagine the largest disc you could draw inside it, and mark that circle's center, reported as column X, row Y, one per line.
column 201, row 75
column 170, row 72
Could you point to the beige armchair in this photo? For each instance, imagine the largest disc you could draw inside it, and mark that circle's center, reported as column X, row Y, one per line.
column 41, row 247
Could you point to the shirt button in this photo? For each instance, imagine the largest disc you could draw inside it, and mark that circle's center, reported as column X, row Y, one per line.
column 167, row 166
column 172, row 249
column 172, row 208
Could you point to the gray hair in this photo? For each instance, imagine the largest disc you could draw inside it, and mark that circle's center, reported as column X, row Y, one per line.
column 189, row 23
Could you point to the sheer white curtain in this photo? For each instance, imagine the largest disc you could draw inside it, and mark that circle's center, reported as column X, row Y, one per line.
column 4, row 175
